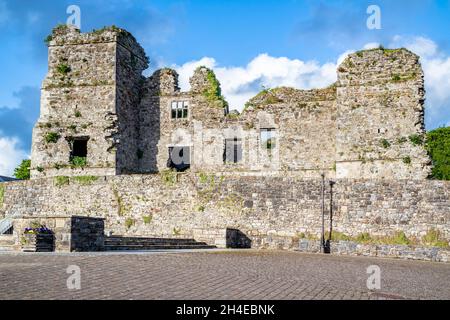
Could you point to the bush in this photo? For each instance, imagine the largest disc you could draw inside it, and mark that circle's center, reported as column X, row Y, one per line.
column 416, row 139
column 52, row 137
column 23, row 170
column 407, row 160
column 438, row 147
column 79, row 162
column 63, row 68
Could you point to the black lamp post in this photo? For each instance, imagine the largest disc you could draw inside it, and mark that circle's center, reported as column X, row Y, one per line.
column 322, row 237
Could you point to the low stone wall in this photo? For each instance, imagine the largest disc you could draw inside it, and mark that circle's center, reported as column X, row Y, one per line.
column 270, row 211
column 70, row 233
column 351, row 248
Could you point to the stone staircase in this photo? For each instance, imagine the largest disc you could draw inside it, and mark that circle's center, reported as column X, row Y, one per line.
column 6, row 242
column 117, row 243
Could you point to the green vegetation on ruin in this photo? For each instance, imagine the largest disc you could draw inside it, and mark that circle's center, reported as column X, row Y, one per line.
column 433, row 238
column 416, row 139
column 147, row 219
column 2, row 194
column 176, row 231
column 129, row 222
column 213, row 92
column 407, row 160
column 63, row 68
column 78, row 162
column 169, row 177
column 265, row 97
column 61, row 181
column 85, row 180
column 385, row 144
column 52, row 137
column 77, row 114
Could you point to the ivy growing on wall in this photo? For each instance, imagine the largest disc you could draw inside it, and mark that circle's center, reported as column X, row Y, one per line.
column 213, row 92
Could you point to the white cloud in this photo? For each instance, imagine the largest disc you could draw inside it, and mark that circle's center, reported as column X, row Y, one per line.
column 436, row 66
column 10, row 155
column 239, row 84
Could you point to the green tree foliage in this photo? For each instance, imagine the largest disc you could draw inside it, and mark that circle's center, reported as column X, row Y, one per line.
column 23, row 170
column 438, row 146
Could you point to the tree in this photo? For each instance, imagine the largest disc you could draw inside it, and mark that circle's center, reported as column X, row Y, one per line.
column 438, row 146
column 23, row 170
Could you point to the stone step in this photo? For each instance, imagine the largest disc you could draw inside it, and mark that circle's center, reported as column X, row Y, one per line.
column 156, row 247
column 6, row 242
column 141, row 243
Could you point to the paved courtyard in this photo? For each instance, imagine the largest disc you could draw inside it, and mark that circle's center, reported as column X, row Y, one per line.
column 218, row 275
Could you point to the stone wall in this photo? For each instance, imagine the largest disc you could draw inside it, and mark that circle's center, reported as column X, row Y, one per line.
column 71, row 233
column 350, row 248
column 271, row 211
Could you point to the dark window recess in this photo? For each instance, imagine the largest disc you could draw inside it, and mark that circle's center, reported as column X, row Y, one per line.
column 179, row 158
column 179, row 109
column 233, row 151
column 78, row 148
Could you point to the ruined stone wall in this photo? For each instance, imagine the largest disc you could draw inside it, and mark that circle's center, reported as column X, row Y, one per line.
column 131, row 62
column 380, row 120
column 271, row 211
column 304, row 122
column 90, row 92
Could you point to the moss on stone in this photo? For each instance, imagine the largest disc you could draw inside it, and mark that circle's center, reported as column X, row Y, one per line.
column 85, row 180
column 169, row 177
column 147, row 219
column 61, row 181
column 129, row 222
column 2, row 194
column 434, row 238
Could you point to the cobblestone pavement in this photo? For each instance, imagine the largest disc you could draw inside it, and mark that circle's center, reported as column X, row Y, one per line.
column 218, row 275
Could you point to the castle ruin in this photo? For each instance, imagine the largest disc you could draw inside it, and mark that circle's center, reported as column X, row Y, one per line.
column 99, row 110
column 153, row 161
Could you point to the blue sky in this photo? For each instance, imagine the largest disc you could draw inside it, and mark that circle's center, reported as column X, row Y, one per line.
column 249, row 43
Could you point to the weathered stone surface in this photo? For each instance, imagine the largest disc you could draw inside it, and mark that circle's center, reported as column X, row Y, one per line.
column 194, row 206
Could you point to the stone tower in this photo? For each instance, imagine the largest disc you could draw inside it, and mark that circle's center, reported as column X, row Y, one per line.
column 89, row 117
column 380, row 116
